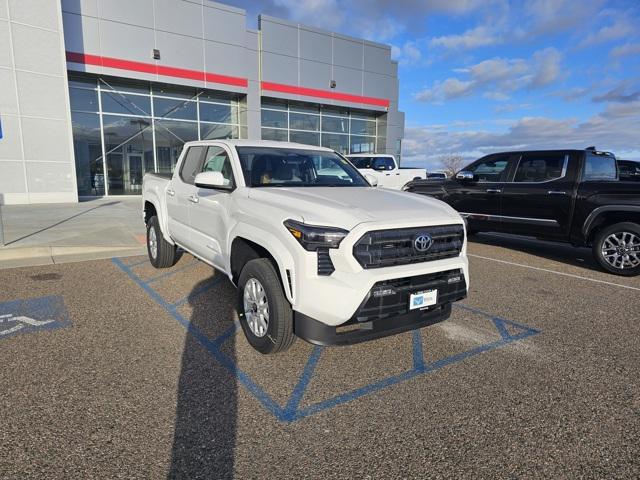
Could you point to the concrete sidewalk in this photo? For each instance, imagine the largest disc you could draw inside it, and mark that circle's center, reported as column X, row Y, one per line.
column 57, row 233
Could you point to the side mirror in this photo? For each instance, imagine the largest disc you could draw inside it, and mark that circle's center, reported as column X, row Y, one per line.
column 465, row 176
column 372, row 179
column 212, row 180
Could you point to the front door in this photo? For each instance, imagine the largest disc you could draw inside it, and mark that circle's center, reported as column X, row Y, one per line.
column 180, row 194
column 480, row 199
column 384, row 169
column 538, row 199
column 209, row 213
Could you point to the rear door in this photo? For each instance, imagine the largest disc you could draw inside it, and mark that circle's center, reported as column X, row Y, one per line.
column 480, row 200
column 386, row 171
column 180, row 194
column 538, row 198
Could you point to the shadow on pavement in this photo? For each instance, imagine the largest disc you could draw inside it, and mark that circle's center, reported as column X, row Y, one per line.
column 205, row 426
column 566, row 253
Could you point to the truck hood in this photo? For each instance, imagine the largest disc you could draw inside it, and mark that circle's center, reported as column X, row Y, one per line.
column 346, row 207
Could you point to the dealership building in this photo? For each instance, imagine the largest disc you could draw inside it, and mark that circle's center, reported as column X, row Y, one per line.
column 94, row 93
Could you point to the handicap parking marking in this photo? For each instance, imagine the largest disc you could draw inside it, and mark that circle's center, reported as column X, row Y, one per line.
column 291, row 411
column 32, row 315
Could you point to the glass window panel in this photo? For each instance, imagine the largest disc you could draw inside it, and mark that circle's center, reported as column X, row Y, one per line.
column 491, row 169
column 219, row 97
column 304, row 107
column 304, row 121
column 274, row 119
column 211, row 112
column 171, row 136
column 336, row 111
column 129, row 148
column 210, row 131
column 599, row 167
column 273, row 134
column 308, row 138
column 167, row 108
column 362, row 144
column 339, row 143
column 174, row 91
column 539, row 167
column 82, row 99
column 335, row 124
column 381, row 146
column 87, row 147
column 81, row 82
column 192, row 164
column 130, row 86
column 362, row 127
column 113, row 102
column 274, row 103
column 217, row 160
column 363, row 115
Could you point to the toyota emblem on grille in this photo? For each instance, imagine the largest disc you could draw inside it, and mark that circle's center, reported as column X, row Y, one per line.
column 423, row 242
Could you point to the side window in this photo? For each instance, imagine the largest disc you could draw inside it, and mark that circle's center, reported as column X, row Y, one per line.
column 217, row 160
column 191, row 165
column 383, row 163
column 599, row 167
column 492, row 169
column 540, row 167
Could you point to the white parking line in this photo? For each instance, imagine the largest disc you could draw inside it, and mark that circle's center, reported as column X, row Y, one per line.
column 556, row 272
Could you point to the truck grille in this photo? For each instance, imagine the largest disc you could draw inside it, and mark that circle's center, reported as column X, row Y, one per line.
column 385, row 248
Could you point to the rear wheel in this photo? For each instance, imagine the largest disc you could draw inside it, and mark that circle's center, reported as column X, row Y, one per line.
column 161, row 253
column 617, row 248
column 265, row 314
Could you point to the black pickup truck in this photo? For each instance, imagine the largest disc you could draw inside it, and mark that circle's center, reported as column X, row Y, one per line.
column 575, row 196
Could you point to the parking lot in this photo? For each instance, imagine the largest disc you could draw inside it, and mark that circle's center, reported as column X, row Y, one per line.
column 114, row 369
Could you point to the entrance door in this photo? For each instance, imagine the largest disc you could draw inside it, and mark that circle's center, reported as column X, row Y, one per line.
column 133, row 173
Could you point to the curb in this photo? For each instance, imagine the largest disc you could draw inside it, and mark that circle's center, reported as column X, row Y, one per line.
column 35, row 256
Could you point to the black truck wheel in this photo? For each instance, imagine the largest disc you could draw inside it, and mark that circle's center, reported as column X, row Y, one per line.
column 265, row 314
column 617, row 248
column 161, row 253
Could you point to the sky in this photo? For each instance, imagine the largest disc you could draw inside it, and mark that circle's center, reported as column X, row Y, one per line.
column 482, row 76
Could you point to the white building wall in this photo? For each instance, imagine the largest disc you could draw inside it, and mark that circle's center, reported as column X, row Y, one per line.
column 36, row 151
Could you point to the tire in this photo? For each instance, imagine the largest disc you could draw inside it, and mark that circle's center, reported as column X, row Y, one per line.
column 278, row 335
column 621, row 260
column 166, row 255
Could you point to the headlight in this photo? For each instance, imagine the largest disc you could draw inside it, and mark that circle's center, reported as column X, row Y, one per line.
column 312, row 238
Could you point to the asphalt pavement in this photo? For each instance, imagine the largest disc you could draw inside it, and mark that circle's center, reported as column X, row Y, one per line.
column 112, row 369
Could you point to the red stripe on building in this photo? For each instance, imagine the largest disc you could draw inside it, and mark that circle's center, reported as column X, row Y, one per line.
column 154, row 69
column 312, row 92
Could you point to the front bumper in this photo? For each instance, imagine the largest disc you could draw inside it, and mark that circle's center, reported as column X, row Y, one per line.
column 385, row 310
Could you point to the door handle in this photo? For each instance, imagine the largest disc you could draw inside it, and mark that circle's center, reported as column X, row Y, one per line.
column 193, row 199
column 387, row 174
column 494, row 190
column 397, row 174
column 171, row 192
column 556, row 192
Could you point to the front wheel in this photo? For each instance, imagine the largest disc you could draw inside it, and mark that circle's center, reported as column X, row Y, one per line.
column 161, row 253
column 265, row 314
column 617, row 249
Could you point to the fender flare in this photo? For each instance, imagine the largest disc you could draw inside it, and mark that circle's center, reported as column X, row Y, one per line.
column 272, row 244
column 587, row 227
column 153, row 199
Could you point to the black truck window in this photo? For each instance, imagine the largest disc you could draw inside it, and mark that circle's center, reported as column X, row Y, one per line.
column 492, row 169
column 540, row 167
column 599, row 167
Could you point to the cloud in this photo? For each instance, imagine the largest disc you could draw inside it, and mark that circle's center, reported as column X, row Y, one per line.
column 549, row 17
column 407, row 54
column 474, row 38
column 620, row 28
column 625, row 50
column 625, row 92
column 615, row 128
column 498, row 76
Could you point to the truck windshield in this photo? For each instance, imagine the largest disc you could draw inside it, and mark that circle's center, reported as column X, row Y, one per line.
column 288, row 167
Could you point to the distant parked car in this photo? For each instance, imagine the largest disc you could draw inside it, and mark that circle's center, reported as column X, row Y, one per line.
column 629, row 170
column 436, row 176
column 576, row 196
column 386, row 169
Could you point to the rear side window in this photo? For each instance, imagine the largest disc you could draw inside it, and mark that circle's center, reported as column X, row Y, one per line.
column 599, row 167
column 540, row 167
column 191, row 165
column 361, row 162
column 383, row 163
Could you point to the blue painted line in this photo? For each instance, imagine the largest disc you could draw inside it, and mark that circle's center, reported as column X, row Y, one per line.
column 172, row 272
column 230, row 332
column 131, row 265
column 210, row 346
column 418, row 354
column 291, row 408
column 500, row 323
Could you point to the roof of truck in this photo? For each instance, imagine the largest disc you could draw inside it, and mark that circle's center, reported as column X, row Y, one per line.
column 369, row 155
column 259, row 143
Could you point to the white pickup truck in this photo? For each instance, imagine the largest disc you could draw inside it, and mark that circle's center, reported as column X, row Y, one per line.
column 386, row 170
column 315, row 250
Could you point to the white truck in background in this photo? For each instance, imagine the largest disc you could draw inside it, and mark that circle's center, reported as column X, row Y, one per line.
column 385, row 168
column 315, row 250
